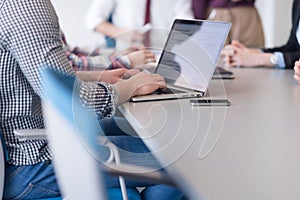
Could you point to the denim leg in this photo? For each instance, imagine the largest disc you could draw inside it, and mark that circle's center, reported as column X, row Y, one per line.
column 30, row 181
column 38, row 181
column 114, row 126
column 133, row 151
column 162, row 192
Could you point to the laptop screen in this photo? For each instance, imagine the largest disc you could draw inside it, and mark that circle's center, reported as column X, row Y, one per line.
column 191, row 53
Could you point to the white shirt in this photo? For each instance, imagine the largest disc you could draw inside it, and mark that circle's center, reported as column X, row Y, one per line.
column 298, row 33
column 131, row 13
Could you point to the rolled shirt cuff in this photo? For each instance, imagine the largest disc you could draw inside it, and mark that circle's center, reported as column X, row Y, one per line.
column 280, row 59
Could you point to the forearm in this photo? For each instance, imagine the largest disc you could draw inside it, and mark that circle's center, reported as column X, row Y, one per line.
column 124, row 90
column 108, row 29
column 264, row 59
column 92, row 76
column 84, row 63
column 98, row 97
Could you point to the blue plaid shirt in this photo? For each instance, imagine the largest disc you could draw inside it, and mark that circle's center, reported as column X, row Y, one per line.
column 29, row 39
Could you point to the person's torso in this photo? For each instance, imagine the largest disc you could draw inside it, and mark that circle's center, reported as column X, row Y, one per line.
column 131, row 13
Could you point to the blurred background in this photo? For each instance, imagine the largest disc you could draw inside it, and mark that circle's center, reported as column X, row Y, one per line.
column 275, row 15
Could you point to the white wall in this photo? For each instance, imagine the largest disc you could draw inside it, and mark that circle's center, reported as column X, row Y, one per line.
column 71, row 17
column 276, row 19
column 275, row 15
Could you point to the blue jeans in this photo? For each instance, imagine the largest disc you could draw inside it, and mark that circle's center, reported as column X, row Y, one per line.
column 119, row 127
column 38, row 181
column 116, row 126
column 30, row 181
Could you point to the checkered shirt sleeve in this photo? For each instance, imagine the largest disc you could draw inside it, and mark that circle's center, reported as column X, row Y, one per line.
column 29, row 40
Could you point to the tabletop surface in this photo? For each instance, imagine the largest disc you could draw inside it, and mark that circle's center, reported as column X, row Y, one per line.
column 249, row 150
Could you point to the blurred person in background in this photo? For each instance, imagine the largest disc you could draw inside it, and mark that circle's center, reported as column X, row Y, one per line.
column 246, row 25
column 127, row 15
column 284, row 57
column 86, row 59
column 139, row 23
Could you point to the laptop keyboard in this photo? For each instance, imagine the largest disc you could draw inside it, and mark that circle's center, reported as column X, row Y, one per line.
column 167, row 91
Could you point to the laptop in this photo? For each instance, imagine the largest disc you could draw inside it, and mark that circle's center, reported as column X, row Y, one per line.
column 189, row 58
column 221, row 73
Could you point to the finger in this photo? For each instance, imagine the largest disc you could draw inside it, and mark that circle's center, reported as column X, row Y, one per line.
column 297, row 69
column 157, row 85
column 149, row 66
column 152, row 84
column 132, row 48
column 224, row 52
column 159, row 80
column 237, row 44
column 296, row 77
column 235, row 50
column 120, row 71
column 157, row 76
column 227, row 60
column 117, row 73
column 153, row 79
column 234, row 64
column 230, row 50
column 149, row 54
column 131, row 73
column 149, row 59
column 142, row 47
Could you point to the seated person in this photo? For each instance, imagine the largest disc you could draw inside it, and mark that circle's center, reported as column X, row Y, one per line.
column 284, row 57
column 22, row 56
column 246, row 25
column 127, row 15
column 87, row 60
column 128, row 21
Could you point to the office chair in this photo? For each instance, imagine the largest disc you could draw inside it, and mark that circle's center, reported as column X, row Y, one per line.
column 78, row 150
column 36, row 134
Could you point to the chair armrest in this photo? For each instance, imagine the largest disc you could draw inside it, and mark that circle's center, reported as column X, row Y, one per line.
column 138, row 172
column 121, row 169
column 30, row 134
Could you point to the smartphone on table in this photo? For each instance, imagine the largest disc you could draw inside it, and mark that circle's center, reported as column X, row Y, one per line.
column 210, row 102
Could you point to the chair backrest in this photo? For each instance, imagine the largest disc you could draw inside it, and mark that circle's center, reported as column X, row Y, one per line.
column 78, row 172
column 2, row 164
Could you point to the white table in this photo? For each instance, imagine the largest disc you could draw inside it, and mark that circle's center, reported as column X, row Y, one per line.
column 247, row 151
